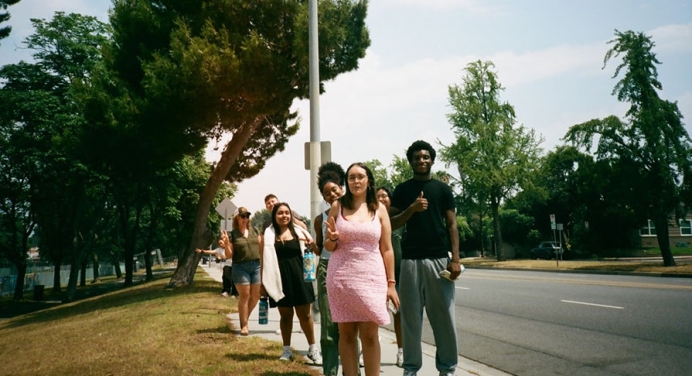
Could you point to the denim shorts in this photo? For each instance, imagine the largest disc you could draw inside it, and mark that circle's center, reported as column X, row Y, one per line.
column 246, row 273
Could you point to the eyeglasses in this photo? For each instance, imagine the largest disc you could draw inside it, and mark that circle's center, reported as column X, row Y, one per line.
column 354, row 178
column 246, row 215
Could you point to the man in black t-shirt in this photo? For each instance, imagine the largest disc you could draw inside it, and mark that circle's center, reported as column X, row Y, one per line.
column 426, row 207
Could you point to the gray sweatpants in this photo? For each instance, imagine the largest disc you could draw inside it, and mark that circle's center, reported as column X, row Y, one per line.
column 421, row 286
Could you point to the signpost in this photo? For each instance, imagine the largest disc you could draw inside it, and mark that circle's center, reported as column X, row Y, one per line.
column 559, row 229
column 226, row 208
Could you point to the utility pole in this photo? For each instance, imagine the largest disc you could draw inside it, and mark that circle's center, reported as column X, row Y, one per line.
column 315, row 149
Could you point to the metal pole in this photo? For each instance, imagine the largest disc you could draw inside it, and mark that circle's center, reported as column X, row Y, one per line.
column 315, row 150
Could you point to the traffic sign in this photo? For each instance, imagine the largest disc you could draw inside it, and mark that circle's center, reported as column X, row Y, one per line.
column 226, row 208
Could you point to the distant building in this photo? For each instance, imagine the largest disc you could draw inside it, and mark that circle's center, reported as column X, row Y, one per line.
column 679, row 233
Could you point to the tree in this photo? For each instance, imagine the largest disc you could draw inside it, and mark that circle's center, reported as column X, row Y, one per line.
column 380, row 174
column 494, row 152
column 651, row 143
column 5, row 16
column 199, row 69
column 17, row 221
column 42, row 110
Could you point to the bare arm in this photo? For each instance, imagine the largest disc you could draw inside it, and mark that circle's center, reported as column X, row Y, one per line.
column 332, row 236
column 205, row 251
column 317, row 226
column 299, row 222
column 451, row 221
column 227, row 245
column 387, row 252
column 399, row 218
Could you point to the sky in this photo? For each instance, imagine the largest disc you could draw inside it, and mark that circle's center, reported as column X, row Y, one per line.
column 548, row 55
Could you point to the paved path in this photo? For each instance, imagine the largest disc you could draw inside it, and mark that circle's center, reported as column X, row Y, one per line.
column 387, row 342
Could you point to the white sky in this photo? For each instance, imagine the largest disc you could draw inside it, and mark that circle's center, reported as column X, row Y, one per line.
column 548, row 55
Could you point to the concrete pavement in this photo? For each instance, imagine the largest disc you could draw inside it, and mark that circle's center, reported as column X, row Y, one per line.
column 387, row 342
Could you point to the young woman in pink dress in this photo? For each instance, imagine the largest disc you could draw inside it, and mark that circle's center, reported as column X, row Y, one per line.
column 360, row 275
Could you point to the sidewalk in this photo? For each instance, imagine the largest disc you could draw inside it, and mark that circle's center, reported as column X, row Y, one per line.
column 387, row 342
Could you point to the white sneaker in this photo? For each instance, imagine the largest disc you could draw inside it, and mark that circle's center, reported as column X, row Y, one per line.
column 315, row 356
column 224, row 294
column 286, row 355
column 400, row 358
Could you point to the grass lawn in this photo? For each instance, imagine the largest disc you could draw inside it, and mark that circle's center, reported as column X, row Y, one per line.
column 623, row 266
column 142, row 330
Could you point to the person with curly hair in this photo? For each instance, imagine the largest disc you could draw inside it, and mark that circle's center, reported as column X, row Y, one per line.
column 426, row 207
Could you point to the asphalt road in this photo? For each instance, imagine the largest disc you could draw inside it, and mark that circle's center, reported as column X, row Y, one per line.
column 538, row 323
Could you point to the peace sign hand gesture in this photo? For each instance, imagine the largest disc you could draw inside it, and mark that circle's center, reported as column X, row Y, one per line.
column 224, row 236
column 332, row 233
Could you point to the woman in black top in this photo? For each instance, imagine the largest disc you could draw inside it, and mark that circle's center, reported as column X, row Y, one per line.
column 297, row 294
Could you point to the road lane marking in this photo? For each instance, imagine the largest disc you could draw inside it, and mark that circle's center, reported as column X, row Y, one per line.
column 462, row 288
column 576, row 281
column 592, row 304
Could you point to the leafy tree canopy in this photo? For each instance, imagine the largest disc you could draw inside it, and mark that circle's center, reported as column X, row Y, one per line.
column 651, row 143
column 493, row 153
column 5, row 16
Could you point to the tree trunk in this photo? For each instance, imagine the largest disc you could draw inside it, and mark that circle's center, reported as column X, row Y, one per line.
column 118, row 271
column 71, row 290
column 661, row 224
column 19, row 286
column 153, row 224
column 480, row 228
column 96, row 266
column 147, row 264
column 495, row 206
column 130, row 241
column 82, row 274
column 55, row 292
column 187, row 264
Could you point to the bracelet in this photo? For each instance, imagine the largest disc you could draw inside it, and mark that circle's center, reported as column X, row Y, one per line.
column 334, row 240
column 391, row 281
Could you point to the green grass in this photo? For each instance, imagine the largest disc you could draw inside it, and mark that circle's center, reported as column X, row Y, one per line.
column 141, row 330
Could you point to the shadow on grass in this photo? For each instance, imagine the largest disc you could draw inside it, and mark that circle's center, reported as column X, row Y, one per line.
column 101, row 297
column 253, row 356
column 218, row 330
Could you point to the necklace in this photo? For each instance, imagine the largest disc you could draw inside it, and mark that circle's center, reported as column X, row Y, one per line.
column 285, row 236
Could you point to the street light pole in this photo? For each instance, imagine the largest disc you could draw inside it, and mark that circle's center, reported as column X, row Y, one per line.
column 315, row 150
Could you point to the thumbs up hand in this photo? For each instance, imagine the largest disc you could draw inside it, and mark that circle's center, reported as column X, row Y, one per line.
column 420, row 204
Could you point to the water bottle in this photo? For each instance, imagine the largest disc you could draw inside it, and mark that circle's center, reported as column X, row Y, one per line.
column 263, row 311
column 309, row 266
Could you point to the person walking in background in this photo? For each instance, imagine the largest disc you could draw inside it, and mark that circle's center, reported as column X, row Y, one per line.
column 360, row 275
column 426, row 207
column 243, row 246
column 228, row 287
column 384, row 197
column 282, row 278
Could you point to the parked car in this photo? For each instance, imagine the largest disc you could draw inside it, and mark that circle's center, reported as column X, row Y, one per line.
column 546, row 250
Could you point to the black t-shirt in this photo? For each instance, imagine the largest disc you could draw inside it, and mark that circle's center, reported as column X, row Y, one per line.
column 425, row 233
